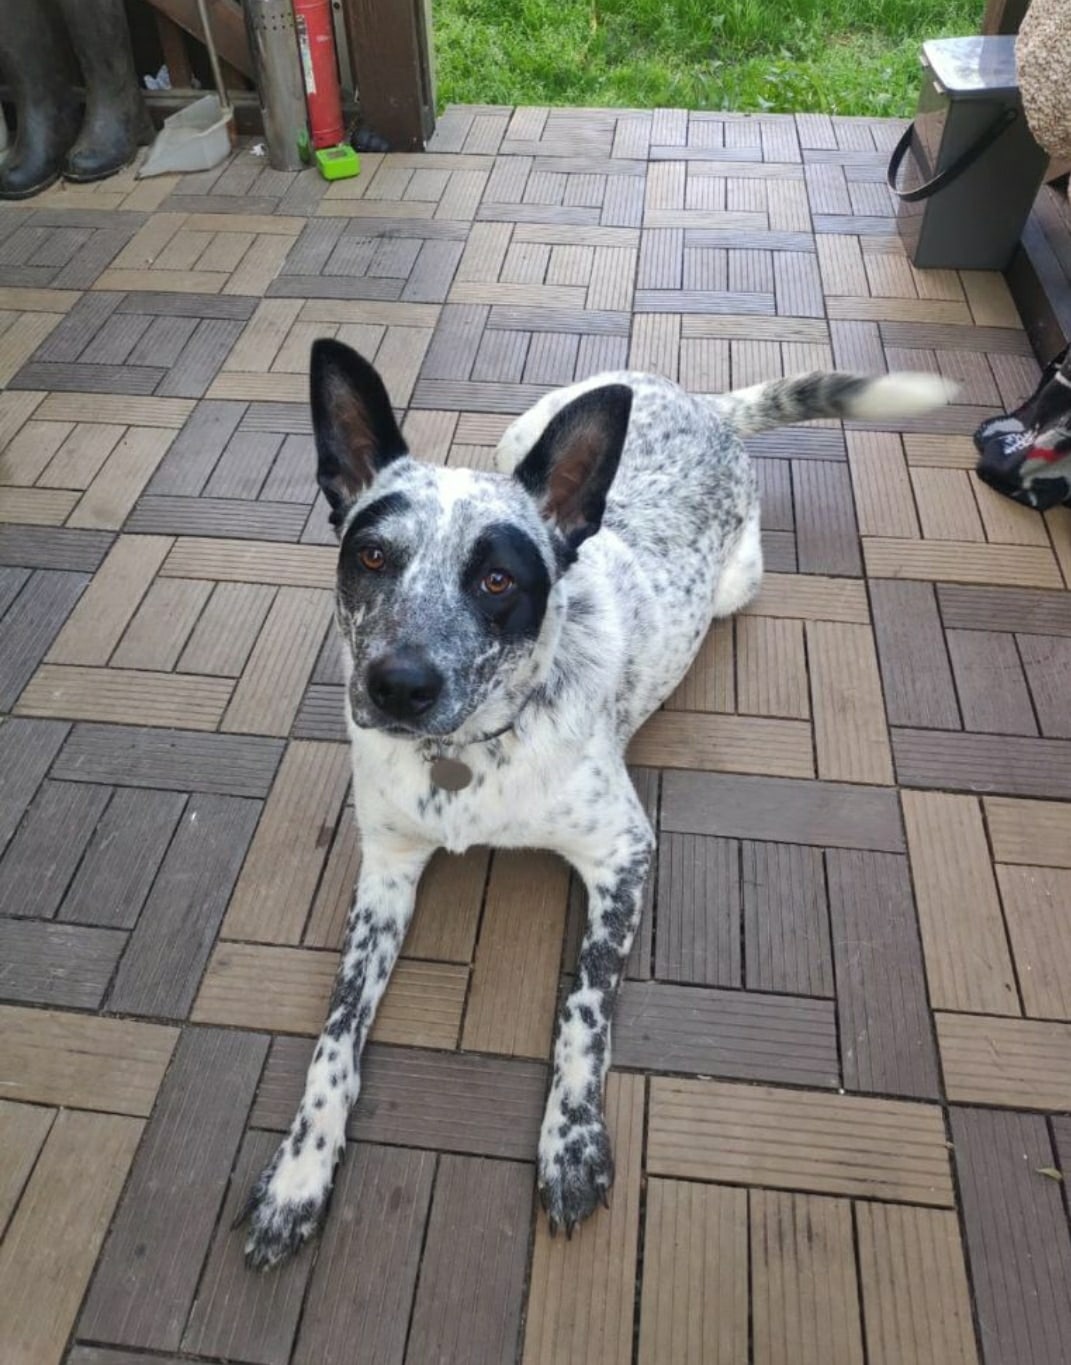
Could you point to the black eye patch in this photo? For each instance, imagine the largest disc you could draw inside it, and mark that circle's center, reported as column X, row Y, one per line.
column 518, row 613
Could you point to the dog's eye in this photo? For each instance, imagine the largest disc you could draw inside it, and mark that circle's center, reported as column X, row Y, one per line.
column 372, row 558
column 497, row 582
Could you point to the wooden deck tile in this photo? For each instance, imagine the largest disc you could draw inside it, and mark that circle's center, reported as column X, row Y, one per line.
column 148, row 1273
column 422, row 1006
column 1047, row 661
column 1009, row 609
column 379, row 1214
column 1012, row 765
column 57, row 964
column 698, row 910
column 449, row 902
column 808, row 597
column 915, row 1296
column 102, row 615
column 744, row 744
column 771, row 667
column 694, row 1301
column 48, row 1254
column 745, row 1036
column 279, row 878
column 1016, row 1063
column 77, row 461
column 1017, row 1236
column 125, row 695
column 915, row 670
column 30, row 626
column 849, row 717
column 992, row 686
column 37, row 867
column 109, row 499
column 23, row 1128
column 71, row 1060
column 805, row 1300
column 335, row 893
column 1033, row 832
column 227, row 630
column 27, row 749
column 883, row 494
column 886, row 1036
column 515, row 977
column 468, row 1302
column 266, row 698
column 826, row 534
column 162, row 624
column 786, row 926
column 825, row 1144
column 580, row 1305
column 239, row 561
column 961, row 562
column 1035, row 901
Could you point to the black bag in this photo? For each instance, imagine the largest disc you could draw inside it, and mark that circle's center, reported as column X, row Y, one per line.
column 1026, row 454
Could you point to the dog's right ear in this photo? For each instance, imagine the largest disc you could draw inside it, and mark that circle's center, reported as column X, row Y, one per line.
column 356, row 434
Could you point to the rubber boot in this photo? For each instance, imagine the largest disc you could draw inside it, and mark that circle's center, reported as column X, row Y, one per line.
column 116, row 119
column 36, row 63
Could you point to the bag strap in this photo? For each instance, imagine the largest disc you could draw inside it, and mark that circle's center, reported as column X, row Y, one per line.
column 966, row 159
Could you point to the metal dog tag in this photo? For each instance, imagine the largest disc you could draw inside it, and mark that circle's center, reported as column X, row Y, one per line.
column 450, row 774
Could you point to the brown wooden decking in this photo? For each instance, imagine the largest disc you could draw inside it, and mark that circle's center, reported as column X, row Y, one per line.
column 843, row 1055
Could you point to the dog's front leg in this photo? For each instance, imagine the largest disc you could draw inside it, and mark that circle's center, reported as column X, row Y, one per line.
column 288, row 1202
column 576, row 1167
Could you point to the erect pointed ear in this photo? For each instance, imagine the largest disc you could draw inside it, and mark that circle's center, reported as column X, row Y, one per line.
column 570, row 468
column 356, row 434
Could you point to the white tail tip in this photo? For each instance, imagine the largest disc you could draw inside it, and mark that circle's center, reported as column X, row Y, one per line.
column 902, row 395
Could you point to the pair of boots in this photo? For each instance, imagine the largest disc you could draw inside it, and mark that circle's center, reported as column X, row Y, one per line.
column 42, row 45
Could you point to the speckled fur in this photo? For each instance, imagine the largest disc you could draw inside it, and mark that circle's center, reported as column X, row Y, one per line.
column 678, row 545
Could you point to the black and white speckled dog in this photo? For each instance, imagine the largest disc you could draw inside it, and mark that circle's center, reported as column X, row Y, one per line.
column 505, row 634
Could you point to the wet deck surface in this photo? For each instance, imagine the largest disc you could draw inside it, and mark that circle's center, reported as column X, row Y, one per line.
column 844, row 1047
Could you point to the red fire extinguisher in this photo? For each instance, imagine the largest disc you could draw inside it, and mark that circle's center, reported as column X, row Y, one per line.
column 316, row 42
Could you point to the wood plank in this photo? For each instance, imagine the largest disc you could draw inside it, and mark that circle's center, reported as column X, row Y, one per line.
column 269, row 692
column 1016, row 1234
column 47, row 1257
column 739, row 744
column 694, row 1304
column 23, row 1129
column 827, row 537
column 193, row 455
column 162, row 624
column 1047, row 661
column 515, row 977
column 46, row 850
column 730, row 1033
column 52, row 547
column 771, row 668
column 449, row 902
column 805, row 1299
column 135, row 696
column 147, row 1276
column 849, row 714
column 279, row 878
column 786, row 924
column 1016, row 1063
column 110, row 498
column 883, row 496
column 247, row 561
column 886, row 1034
column 968, row 966
column 97, row 623
column 57, row 964
column 809, row 597
column 916, row 1300
column 1030, row 832
column 698, row 910
column 74, row 1060
column 378, row 1216
column 821, row 1143
column 991, row 683
column 1012, row 765
column 471, row 1291
column 223, row 638
column 168, row 949
column 422, row 1005
column 27, row 749
column 915, row 670
column 963, row 561
column 580, row 1304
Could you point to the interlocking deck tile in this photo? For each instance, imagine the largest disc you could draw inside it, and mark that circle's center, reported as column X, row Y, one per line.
column 31, row 625
column 826, row 534
column 23, row 1128
column 162, row 624
column 164, row 414
column 28, row 447
column 913, row 656
column 886, row 1035
column 514, row 980
column 53, row 547
column 991, row 682
column 946, row 506
column 27, row 749
column 744, row 744
column 1012, row 765
column 267, row 697
column 109, row 499
column 1035, row 902
column 186, row 467
column 38, row 865
column 849, row 717
column 471, row 1289
column 1017, row 1237
column 1015, row 1063
column 148, row 1273
column 79, row 458
column 694, row 1301
column 379, row 1216
column 412, row 1097
column 78, row 1062
column 57, row 964
column 742, row 1035
column 822, row 1143
column 449, row 901
column 805, row 1299
column 335, row 893
column 239, row 561
column 916, row 1300
column 37, row 506
column 1047, row 661
column 422, row 1006
column 239, row 1315
column 808, row 597
column 97, row 624
column 280, row 875
column 580, row 1305
column 1032, row 832
column 698, row 911
column 837, row 815
column 961, row 562
column 771, row 667
column 882, row 487
column 48, row 1255
column 786, row 925
column 137, row 696
column 227, row 630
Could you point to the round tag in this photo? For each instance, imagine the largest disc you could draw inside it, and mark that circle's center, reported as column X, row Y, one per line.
column 450, row 774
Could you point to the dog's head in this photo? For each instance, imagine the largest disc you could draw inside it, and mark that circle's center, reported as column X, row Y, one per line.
column 447, row 578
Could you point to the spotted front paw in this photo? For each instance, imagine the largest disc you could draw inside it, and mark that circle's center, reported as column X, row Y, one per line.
column 286, row 1205
column 576, row 1170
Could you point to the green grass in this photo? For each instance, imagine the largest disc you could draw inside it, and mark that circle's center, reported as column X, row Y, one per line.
column 834, row 56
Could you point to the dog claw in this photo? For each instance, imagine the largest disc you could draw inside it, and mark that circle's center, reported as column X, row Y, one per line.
column 604, row 1198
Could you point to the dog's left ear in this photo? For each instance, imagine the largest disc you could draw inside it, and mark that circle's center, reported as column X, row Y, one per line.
column 352, row 419
column 571, row 467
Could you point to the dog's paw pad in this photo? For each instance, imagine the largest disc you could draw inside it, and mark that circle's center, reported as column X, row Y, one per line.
column 279, row 1222
column 576, row 1171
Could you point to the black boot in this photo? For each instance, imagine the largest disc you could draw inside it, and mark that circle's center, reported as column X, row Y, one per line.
column 36, row 62
column 116, row 120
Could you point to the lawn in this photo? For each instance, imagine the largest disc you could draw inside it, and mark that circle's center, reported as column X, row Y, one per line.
column 836, row 56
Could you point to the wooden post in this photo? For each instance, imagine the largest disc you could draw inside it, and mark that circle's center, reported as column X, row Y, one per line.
column 391, row 51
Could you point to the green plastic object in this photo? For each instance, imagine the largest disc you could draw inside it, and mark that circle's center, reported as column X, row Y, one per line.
column 304, row 146
column 338, row 163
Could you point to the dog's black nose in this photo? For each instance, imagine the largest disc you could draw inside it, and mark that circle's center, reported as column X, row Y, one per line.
column 404, row 684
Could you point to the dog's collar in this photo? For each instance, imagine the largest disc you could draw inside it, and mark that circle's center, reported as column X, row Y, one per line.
column 453, row 775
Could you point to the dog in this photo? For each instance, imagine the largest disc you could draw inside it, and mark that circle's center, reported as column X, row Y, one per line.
column 505, row 634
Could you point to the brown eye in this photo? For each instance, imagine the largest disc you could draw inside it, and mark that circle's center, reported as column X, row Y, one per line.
column 372, row 558
column 497, row 582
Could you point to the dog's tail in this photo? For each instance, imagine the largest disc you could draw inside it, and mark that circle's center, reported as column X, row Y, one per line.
column 830, row 394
